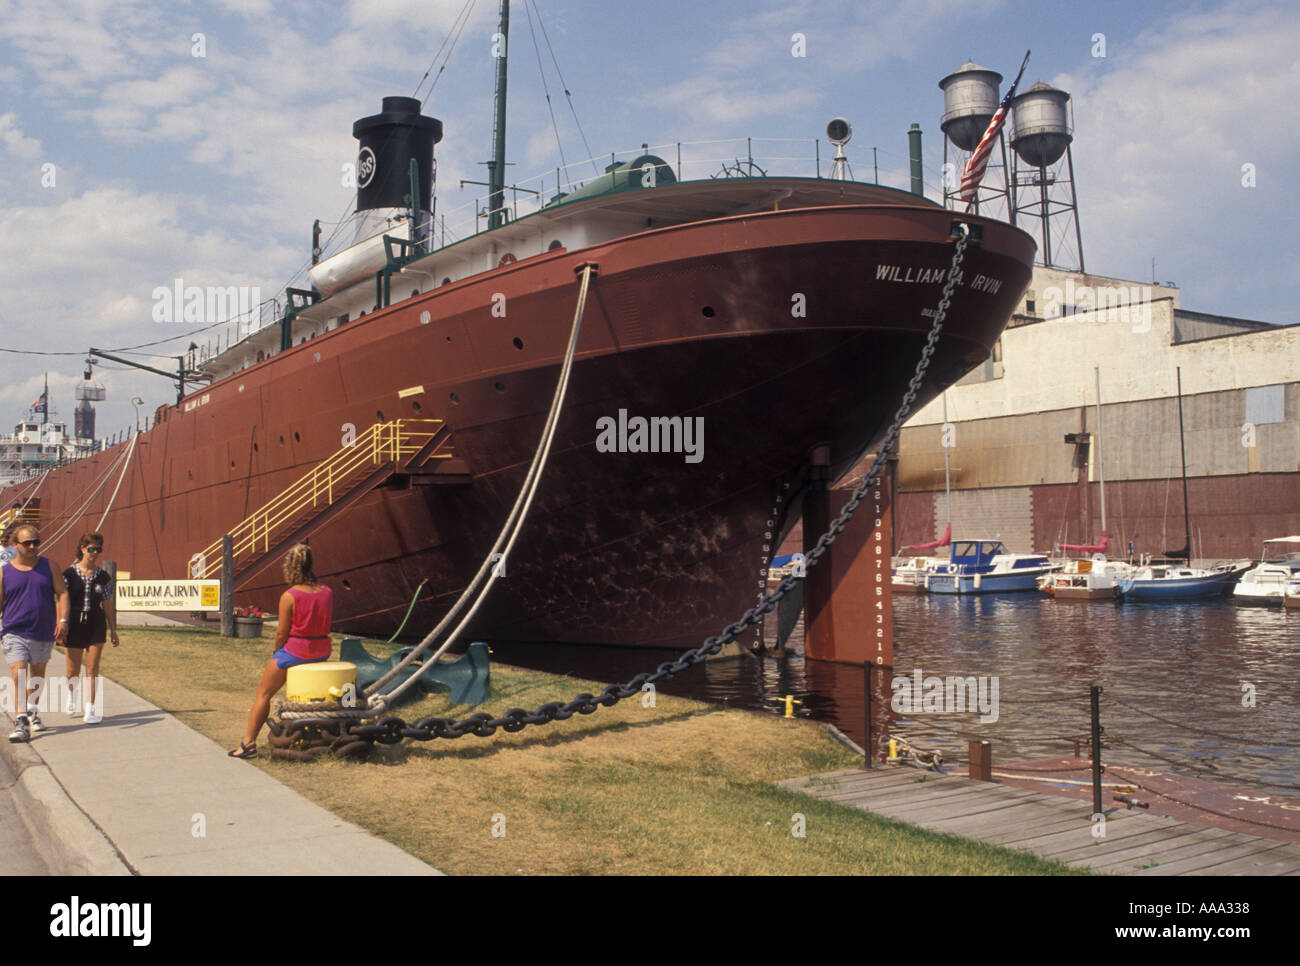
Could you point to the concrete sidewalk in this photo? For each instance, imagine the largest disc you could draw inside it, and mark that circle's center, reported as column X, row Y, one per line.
column 132, row 795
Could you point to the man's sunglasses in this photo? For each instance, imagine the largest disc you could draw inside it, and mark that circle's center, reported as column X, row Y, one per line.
column 94, row 549
column 29, row 543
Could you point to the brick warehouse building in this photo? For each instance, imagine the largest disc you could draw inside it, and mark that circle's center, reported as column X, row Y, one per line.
column 1015, row 476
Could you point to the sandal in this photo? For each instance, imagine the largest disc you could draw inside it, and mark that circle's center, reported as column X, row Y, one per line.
column 244, row 751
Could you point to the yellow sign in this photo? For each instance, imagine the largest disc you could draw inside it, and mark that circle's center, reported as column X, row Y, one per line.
column 181, row 595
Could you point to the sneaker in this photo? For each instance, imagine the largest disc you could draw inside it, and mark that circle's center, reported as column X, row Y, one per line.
column 70, row 701
column 92, row 715
column 34, row 721
column 20, row 732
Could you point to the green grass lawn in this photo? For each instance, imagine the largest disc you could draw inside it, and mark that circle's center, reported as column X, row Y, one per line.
column 678, row 788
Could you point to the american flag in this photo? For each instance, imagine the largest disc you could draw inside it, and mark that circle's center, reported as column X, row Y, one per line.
column 39, row 405
column 973, row 173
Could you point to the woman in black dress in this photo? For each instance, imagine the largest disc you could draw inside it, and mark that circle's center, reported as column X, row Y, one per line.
column 92, row 617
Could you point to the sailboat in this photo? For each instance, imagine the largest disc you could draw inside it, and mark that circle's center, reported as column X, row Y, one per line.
column 913, row 576
column 1168, row 580
column 1090, row 577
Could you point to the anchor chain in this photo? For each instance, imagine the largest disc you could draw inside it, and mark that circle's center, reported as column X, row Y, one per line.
column 356, row 739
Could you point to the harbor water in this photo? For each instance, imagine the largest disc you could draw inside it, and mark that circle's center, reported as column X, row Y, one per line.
column 1209, row 689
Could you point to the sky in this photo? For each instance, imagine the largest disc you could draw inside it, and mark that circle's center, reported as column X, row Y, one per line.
column 145, row 142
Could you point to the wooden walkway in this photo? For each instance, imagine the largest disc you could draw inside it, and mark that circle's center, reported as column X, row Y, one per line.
column 1051, row 826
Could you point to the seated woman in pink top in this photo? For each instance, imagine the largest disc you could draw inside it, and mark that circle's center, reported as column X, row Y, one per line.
column 301, row 637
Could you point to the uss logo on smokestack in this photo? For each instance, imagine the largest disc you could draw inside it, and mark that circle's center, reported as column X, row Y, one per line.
column 115, row 920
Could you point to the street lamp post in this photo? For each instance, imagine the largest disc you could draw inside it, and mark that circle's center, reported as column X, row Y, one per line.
column 137, row 402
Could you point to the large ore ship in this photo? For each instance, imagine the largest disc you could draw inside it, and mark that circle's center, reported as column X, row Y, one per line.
column 778, row 314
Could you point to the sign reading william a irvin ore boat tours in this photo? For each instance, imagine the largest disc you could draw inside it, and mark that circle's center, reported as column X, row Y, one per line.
column 186, row 595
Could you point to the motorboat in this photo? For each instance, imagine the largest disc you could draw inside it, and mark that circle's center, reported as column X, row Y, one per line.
column 987, row 567
column 1266, row 582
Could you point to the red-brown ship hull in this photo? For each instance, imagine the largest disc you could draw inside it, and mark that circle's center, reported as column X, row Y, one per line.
column 781, row 330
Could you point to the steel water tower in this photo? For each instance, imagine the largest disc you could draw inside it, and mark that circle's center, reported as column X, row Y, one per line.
column 1042, row 175
column 970, row 99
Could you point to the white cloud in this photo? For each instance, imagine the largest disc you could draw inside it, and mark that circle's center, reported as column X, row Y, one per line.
column 14, row 143
column 1162, row 129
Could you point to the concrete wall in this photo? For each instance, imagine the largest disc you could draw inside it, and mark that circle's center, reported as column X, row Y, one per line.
column 1191, row 326
column 1010, row 451
column 1048, row 365
column 1138, row 441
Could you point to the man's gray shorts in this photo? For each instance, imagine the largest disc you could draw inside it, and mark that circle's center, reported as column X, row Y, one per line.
column 18, row 648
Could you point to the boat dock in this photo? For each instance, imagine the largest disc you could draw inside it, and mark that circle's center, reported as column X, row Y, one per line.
column 1133, row 843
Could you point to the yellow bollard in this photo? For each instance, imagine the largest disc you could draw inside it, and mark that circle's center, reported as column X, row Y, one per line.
column 790, row 701
column 325, row 681
column 893, row 749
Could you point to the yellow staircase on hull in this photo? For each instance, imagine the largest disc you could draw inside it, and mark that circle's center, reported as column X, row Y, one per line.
column 381, row 452
column 31, row 513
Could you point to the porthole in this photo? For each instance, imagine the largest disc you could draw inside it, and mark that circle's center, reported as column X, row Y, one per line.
column 414, row 292
column 448, row 338
column 519, row 343
column 499, row 386
column 708, row 311
column 379, row 415
column 281, row 440
column 296, row 437
column 455, row 399
column 347, row 585
column 446, row 281
column 254, row 447
column 418, row 408
column 554, row 245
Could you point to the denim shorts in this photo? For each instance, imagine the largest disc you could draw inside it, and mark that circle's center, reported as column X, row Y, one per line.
column 284, row 660
column 18, row 648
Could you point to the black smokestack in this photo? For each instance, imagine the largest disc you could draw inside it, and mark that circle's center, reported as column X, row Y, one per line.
column 388, row 142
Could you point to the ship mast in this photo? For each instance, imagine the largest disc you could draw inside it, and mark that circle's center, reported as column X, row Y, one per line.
column 497, row 166
column 1182, row 448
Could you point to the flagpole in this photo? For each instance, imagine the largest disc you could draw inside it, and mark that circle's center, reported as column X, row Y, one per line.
column 45, row 410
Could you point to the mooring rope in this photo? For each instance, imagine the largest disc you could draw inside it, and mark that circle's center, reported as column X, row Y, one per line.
column 509, row 532
column 76, row 514
column 121, row 477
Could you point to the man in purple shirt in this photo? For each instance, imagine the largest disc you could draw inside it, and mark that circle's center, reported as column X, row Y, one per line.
column 30, row 592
